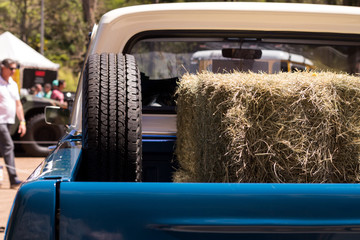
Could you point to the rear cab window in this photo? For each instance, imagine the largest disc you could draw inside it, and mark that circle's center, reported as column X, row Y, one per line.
column 163, row 58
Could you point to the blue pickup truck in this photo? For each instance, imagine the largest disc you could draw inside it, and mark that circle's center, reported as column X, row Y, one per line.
column 111, row 175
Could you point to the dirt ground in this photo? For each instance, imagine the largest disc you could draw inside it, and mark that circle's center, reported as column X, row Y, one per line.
column 25, row 166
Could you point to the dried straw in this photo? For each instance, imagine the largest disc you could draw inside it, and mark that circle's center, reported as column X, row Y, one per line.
column 287, row 127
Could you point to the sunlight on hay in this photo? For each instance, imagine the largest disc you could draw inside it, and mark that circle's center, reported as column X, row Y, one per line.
column 287, row 127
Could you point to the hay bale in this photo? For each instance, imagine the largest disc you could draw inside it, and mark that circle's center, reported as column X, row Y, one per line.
column 287, row 127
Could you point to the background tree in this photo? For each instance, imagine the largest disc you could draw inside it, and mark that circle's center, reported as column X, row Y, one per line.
column 89, row 10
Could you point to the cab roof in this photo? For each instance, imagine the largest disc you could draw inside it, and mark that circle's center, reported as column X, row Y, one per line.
column 118, row 26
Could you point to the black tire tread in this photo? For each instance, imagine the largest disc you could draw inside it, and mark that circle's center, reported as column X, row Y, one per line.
column 111, row 119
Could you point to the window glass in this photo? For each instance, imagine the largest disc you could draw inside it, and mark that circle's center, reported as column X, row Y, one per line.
column 162, row 61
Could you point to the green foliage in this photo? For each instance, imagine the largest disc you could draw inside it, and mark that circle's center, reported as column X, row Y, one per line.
column 67, row 33
column 6, row 16
column 70, row 78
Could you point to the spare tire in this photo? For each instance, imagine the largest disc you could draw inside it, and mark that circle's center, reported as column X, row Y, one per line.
column 111, row 123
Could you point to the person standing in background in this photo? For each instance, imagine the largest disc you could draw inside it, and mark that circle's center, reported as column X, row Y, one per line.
column 47, row 90
column 36, row 90
column 57, row 93
column 10, row 105
column 39, row 91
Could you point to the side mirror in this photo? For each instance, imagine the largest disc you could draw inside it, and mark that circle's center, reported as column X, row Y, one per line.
column 57, row 115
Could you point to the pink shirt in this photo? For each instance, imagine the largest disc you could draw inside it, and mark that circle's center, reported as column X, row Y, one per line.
column 9, row 93
column 57, row 95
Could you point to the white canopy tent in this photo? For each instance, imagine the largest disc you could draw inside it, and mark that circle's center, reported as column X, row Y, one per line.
column 13, row 48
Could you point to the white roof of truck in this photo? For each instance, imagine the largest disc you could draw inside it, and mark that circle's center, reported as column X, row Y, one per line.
column 117, row 26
